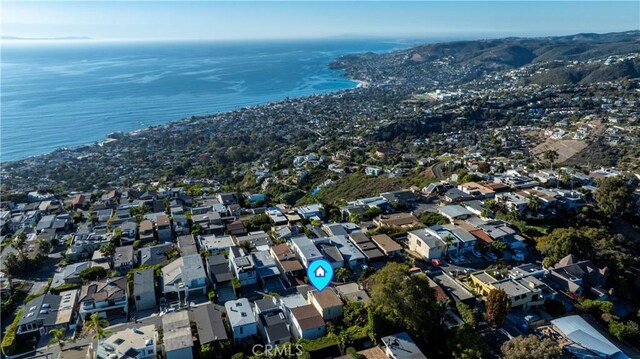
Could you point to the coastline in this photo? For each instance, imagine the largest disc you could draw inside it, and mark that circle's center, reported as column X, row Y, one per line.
column 358, row 84
column 361, row 83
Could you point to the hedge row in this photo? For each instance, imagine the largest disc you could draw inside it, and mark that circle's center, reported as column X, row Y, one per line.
column 9, row 343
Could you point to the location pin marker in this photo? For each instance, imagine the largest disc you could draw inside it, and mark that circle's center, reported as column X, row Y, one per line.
column 320, row 274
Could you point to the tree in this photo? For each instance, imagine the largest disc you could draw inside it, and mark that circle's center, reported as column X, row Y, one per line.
column 97, row 325
column 550, row 156
column 11, row 262
column 44, row 246
column 19, row 242
column 93, row 273
column 108, row 249
column 372, row 212
column 469, row 315
column 533, row 203
column 530, row 347
column 342, row 274
column 614, row 196
column 497, row 306
column 466, row 343
column 624, row 330
column 581, row 242
column 57, row 337
column 405, row 301
column 448, row 240
column 432, row 218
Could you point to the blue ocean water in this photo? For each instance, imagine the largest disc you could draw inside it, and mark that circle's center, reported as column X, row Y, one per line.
column 65, row 94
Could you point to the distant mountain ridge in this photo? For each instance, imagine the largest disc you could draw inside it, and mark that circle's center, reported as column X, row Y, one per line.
column 413, row 66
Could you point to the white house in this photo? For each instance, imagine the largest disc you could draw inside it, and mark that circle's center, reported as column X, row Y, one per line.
column 241, row 318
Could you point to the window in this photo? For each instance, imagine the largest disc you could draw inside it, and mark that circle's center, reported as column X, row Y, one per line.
column 138, row 297
column 241, row 329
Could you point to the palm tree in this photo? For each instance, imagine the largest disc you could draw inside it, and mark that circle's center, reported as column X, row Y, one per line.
column 342, row 274
column 551, row 156
column 448, row 240
column 57, row 337
column 98, row 325
column 20, row 244
column 533, row 203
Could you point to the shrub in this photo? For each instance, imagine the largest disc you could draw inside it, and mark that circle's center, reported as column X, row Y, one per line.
column 64, row 287
column 9, row 343
column 212, row 295
column 93, row 273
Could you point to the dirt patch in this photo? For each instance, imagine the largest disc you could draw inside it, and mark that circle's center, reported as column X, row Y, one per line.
column 565, row 148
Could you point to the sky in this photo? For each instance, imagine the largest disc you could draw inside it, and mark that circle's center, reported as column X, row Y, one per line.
column 217, row 20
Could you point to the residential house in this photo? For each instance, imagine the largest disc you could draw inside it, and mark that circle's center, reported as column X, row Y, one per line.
column 387, row 245
column 163, row 228
column 366, row 246
column 454, row 195
column 209, row 323
column 286, row 261
column 123, row 260
column 85, row 241
column 144, row 289
column 218, row 271
column 146, row 232
column 477, row 190
column 69, row 274
column 216, row 244
column 272, row 323
column 307, row 323
column 180, row 223
column 255, row 240
column 353, row 257
column 401, row 346
column 584, row 341
column 267, row 270
column 578, row 277
column 177, row 336
column 153, row 255
column 524, row 293
column 352, row 292
column 305, row 250
column 311, row 211
column 425, row 244
column 138, row 343
column 46, row 312
column 454, row 211
column 129, row 232
column 403, row 198
column 187, row 245
column 184, row 276
column 513, row 201
column 236, row 228
column 241, row 318
column 243, row 266
column 397, row 220
column 327, row 303
column 107, row 297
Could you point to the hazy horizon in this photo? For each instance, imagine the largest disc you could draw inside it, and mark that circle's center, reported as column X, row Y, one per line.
column 231, row 21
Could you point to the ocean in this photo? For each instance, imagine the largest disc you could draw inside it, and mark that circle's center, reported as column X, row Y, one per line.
column 59, row 94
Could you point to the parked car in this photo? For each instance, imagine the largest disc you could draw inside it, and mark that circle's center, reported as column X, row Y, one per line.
column 518, row 256
column 492, row 256
column 476, row 253
column 436, row 262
